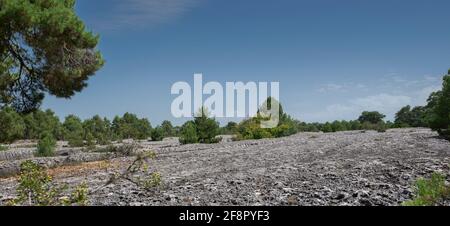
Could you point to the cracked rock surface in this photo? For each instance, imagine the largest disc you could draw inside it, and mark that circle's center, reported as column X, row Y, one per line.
column 346, row 168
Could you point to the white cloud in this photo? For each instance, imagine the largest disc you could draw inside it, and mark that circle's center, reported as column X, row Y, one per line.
column 389, row 95
column 381, row 102
column 385, row 103
column 331, row 87
column 334, row 87
column 144, row 13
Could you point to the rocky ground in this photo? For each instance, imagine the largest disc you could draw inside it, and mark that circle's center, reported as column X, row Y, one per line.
column 347, row 168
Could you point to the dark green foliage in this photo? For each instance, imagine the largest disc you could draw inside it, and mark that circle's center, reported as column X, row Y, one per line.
column 167, row 128
column 131, row 127
column 207, row 128
column 188, row 133
column 251, row 128
column 202, row 130
column 3, row 148
column 40, row 122
column 44, row 48
column 430, row 191
column 90, row 141
column 73, row 131
column 158, row 134
column 36, row 188
column 439, row 109
column 46, row 146
column 12, row 126
column 99, row 128
column 327, row 128
column 373, row 117
column 408, row 117
column 230, row 128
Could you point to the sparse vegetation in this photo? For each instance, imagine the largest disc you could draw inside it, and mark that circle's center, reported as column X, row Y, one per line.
column 131, row 127
column 36, row 188
column 138, row 173
column 46, row 146
column 251, row 128
column 157, row 134
column 3, row 147
column 430, row 192
column 202, row 130
column 407, row 117
column 439, row 109
column 188, row 133
column 11, row 126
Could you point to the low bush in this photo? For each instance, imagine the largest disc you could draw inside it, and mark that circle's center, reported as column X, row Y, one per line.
column 157, row 134
column 202, row 130
column 36, row 188
column 46, row 146
column 75, row 140
column 188, row 133
column 12, row 126
column 439, row 109
column 3, row 147
column 430, row 192
column 207, row 128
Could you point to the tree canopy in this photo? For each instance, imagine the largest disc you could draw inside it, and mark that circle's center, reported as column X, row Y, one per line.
column 439, row 105
column 44, row 48
column 373, row 117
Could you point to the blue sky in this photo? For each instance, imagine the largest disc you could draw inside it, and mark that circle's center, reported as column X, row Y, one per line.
column 333, row 58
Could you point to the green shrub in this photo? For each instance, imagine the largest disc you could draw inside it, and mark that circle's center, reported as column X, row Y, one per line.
column 157, row 134
column 99, row 128
column 251, row 129
column 36, row 188
column 407, row 117
column 439, row 109
column 188, row 133
column 12, row 126
column 40, row 122
column 430, row 191
column 207, row 128
column 75, row 140
column 373, row 117
column 167, row 128
column 90, row 141
column 46, row 146
column 202, row 130
column 3, row 147
column 229, row 129
column 131, row 127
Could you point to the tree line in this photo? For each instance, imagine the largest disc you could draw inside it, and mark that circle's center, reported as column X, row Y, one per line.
column 204, row 129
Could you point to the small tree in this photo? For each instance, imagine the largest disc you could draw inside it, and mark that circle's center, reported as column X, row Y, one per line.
column 408, row 117
column 100, row 128
column 12, row 126
column 45, row 49
column 189, row 133
column 157, row 134
column 41, row 122
column 439, row 109
column 73, row 131
column 130, row 126
column 207, row 128
column 46, row 146
column 167, row 128
column 373, row 117
column 36, row 189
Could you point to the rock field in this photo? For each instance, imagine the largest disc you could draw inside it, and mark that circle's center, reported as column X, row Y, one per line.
column 346, row 168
